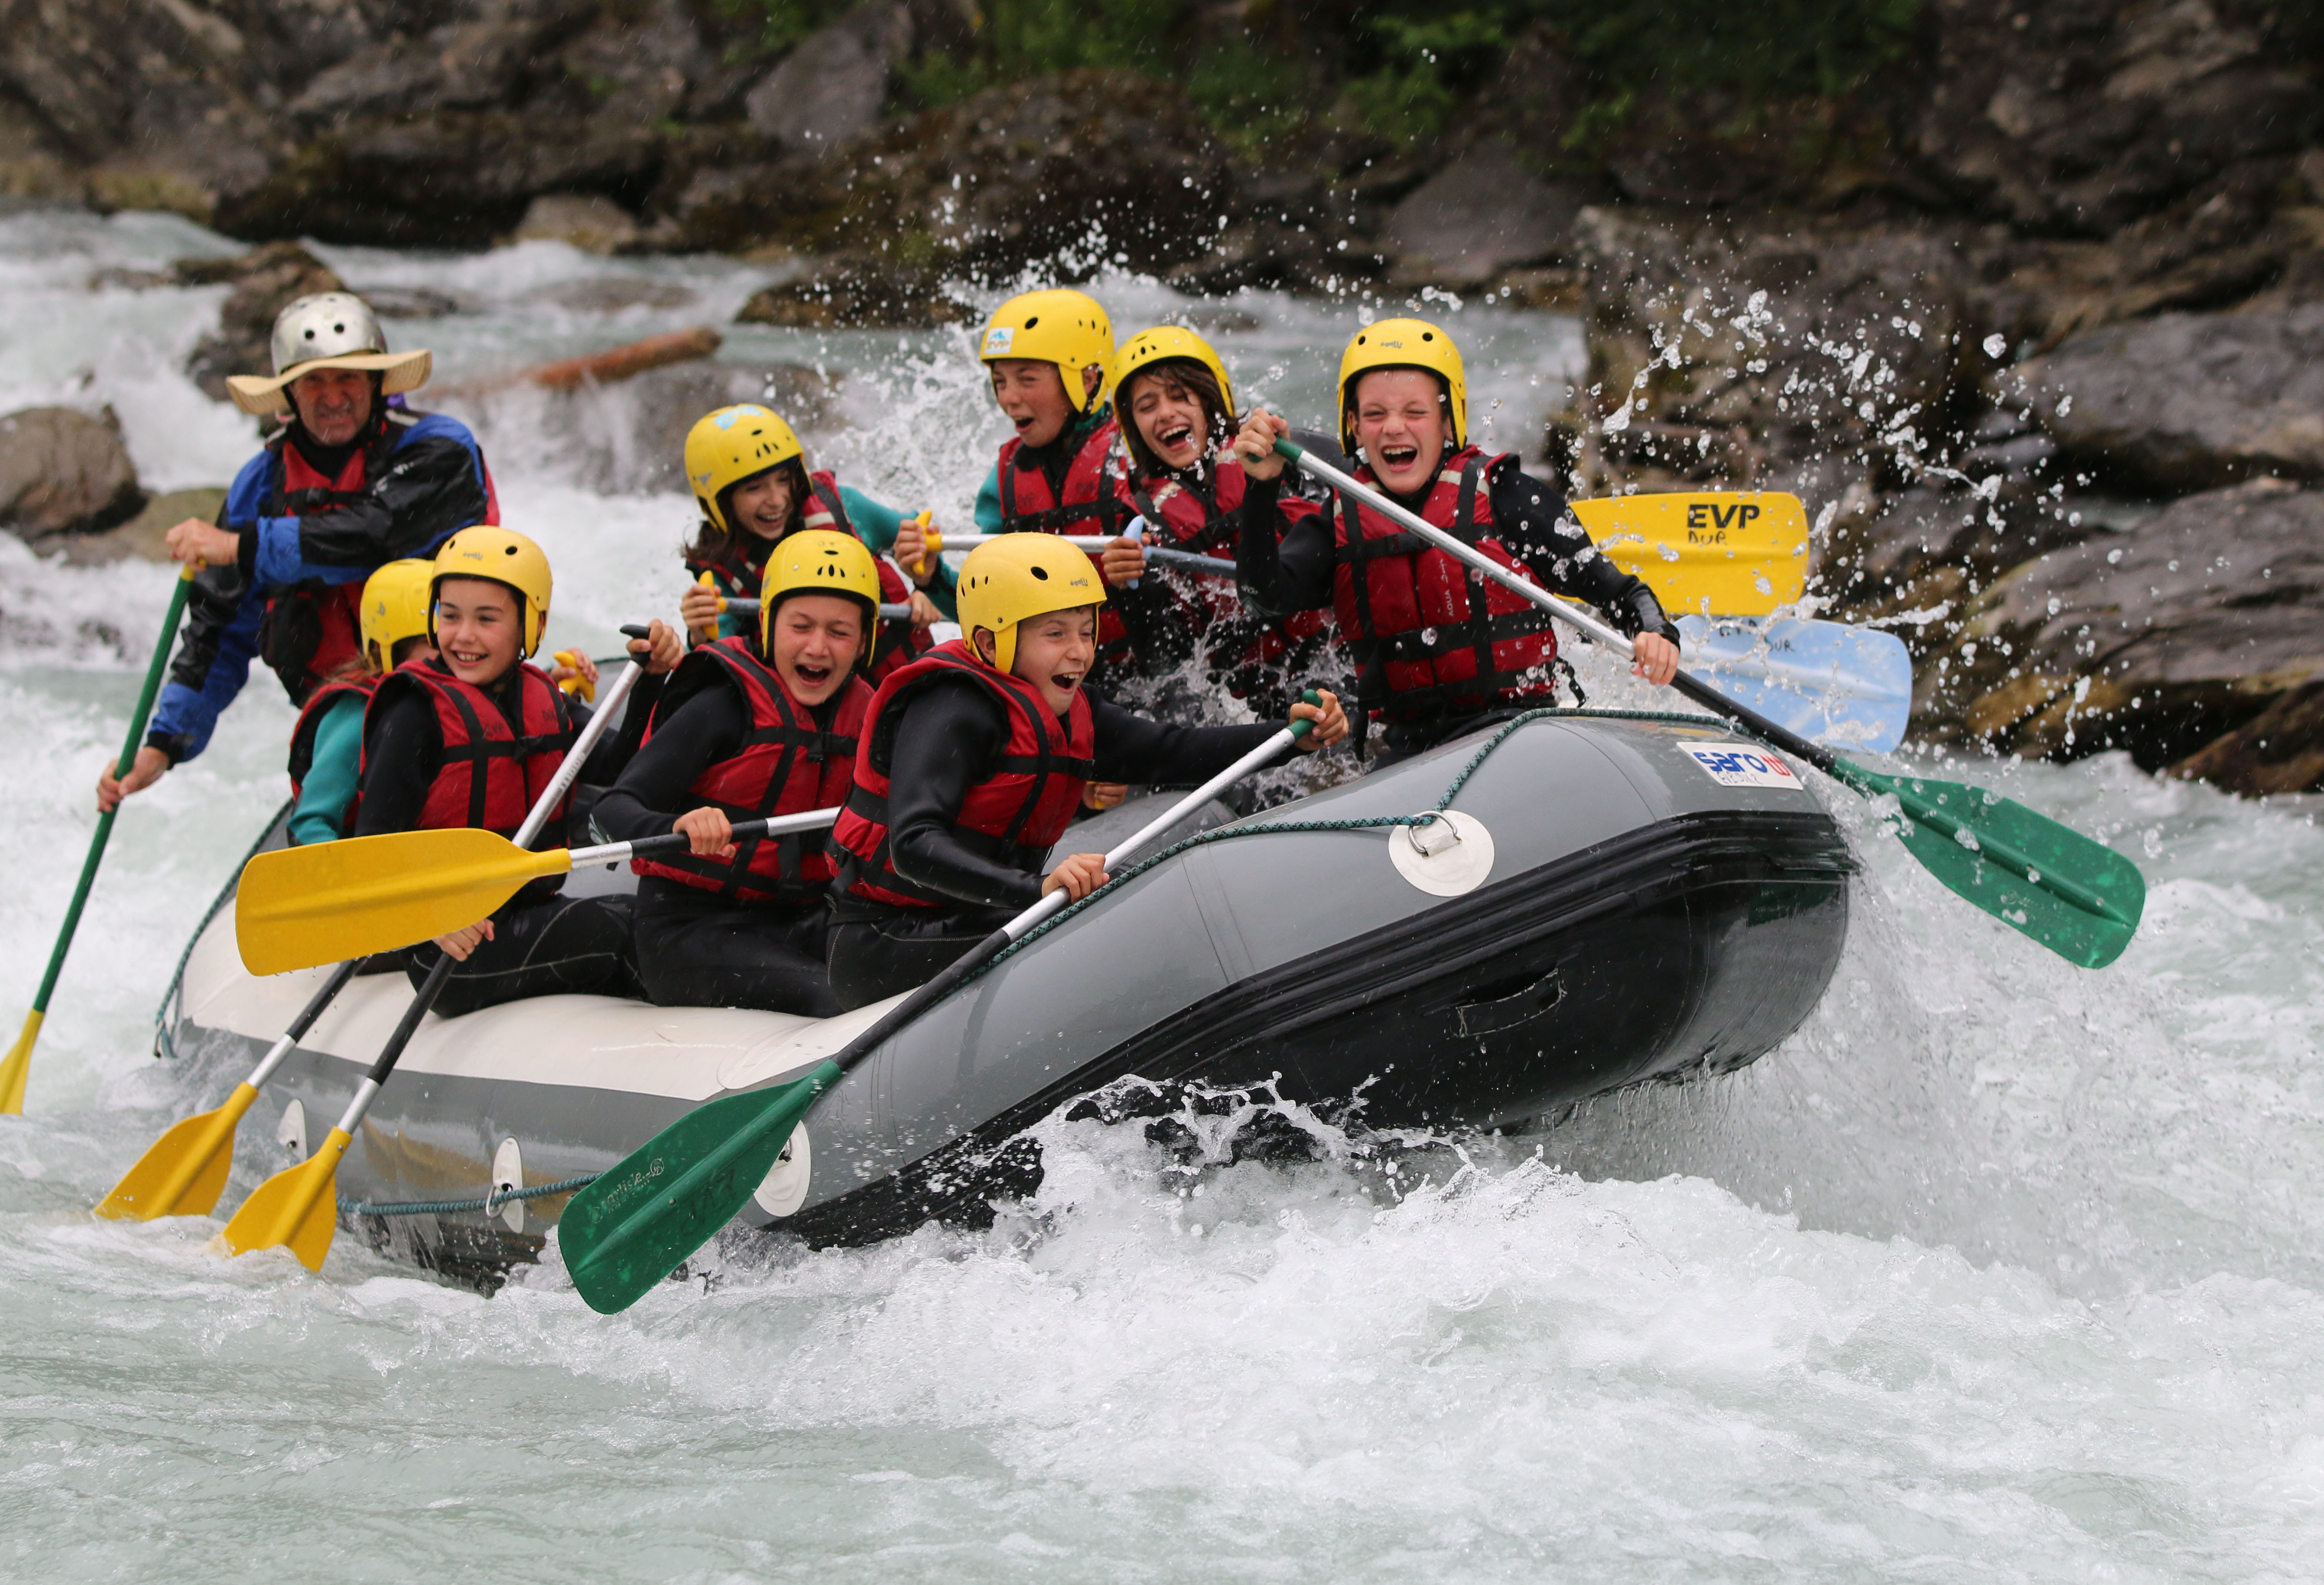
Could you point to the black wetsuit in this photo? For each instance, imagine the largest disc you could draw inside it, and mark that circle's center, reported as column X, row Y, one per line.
column 950, row 738
column 1529, row 518
column 696, row 949
column 543, row 944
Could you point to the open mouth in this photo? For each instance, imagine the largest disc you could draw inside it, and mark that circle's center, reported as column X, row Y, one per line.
column 1064, row 681
column 1022, row 423
column 1174, row 436
column 813, row 676
column 1398, row 458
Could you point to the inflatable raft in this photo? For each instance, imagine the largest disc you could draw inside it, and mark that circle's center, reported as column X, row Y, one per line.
column 1628, row 898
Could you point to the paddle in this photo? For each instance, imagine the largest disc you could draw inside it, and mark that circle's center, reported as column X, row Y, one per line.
column 183, row 1171
column 636, row 1223
column 1710, row 553
column 2077, row 897
column 1845, row 687
column 16, row 1068
column 299, row 1206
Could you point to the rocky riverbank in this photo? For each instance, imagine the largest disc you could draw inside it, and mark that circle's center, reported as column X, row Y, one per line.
column 2029, row 314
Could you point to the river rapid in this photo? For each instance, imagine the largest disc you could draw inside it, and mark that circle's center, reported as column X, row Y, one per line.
column 1998, row 1268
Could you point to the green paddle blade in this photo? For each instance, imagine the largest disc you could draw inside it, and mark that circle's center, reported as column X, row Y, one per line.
column 634, row 1226
column 2080, row 898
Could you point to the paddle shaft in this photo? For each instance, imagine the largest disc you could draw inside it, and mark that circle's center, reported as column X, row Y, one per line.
column 1922, row 811
column 19, row 1061
column 781, row 825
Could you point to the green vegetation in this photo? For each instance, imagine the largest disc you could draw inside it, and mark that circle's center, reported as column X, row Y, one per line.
column 1400, row 68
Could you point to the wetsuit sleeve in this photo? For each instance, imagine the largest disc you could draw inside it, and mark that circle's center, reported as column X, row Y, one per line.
column 949, row 739
column 220, row 633
column 879, row 525
column 988, row 503
column 402, row 748
column 651, row 790
column 1530, row 517
column 334, row 774
column 1132, row 749
column 430, row 487
column 617, row 749
column 1281, row 568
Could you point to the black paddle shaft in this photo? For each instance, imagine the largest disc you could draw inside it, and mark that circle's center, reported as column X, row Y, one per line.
column 678, row 841
column 410, row 1024
column 323, row 997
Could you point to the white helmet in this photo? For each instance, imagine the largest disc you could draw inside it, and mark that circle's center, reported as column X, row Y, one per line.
column 328, row 329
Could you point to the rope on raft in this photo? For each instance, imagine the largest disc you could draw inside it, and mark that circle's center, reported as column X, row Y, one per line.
column 487, row 1204
column 1373, row 822
column 217, row 906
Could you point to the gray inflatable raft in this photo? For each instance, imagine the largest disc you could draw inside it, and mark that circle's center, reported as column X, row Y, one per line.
column 1630, row 899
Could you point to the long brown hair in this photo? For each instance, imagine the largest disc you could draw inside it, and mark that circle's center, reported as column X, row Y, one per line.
column 712, row 542
column 1179, row 376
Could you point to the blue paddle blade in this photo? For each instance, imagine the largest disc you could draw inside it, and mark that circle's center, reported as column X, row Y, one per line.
column 1841, row 686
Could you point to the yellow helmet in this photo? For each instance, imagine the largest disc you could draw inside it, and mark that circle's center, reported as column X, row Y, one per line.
column 395, row 606
column 728, row 445
column 1060, row 326
column 1007, row 579
column 1161, row 345
column 1404, row 344
column 819, row 561
column 501, row 555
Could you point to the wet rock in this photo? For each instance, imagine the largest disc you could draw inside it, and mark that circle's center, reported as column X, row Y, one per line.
column 829, row 90
column 648, row 60
column 145, row 535
column 592, row 224
column 2187, row 401
column 410, row 302
column 2083, row 116
column 265, row 280
column 2278, row 750
column 2158, row 641
column 63, row 471
column 1483, row 214
column 857, row 290
column 471, row 63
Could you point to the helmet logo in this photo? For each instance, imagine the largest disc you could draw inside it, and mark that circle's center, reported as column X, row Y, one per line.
column 999, row 339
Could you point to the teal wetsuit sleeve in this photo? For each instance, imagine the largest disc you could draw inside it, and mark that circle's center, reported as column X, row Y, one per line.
column 731, row 623
column 331, row 779
column 988, row 503
column 879, row 523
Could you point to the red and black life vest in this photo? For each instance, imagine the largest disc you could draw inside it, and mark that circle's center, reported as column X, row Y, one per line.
column 789, row 763
column 313, row 630
column 310, row 721
column 1244, row 649
column 490, row 774
column 1088, row 503
column 738, row 576
column 1014, row 816
column 1432, row 636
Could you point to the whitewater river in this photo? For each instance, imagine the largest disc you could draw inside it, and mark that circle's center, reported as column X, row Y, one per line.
column 1998, row 1268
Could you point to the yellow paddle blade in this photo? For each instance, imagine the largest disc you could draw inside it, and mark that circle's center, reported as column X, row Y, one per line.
column 1714, row 552
column 183, row 1172
column 298, row 1207
column 301, row 906
column 19, row 1065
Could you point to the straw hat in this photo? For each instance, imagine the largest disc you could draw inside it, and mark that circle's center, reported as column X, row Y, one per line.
column 328, row 330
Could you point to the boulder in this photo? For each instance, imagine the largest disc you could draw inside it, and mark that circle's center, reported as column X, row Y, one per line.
column 2185, row 401
column 2159, row 640
column 145, row 535
column 2278, row 750
column 592, row 224
column 63, row 471
column 477, row 63
column 2082, row 116
column 830, row 90
column 265, row 280
column 1480, row 214
column 856, row 292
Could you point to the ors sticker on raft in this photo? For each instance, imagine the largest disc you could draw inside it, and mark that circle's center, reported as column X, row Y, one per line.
column 999, row 339
column 1740, row 764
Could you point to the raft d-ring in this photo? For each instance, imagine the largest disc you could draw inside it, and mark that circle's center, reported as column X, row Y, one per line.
column 508, row 1177
column 1448, row 854
column 784, row 1188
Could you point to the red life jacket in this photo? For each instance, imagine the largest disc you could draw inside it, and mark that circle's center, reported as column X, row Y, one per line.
column 489, row 776
column 310, row 721
column 314, row 630
column 1426, row 643
column 1089, row 504
column 787, row 764
column 1244, row 649
column 1014, row 816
